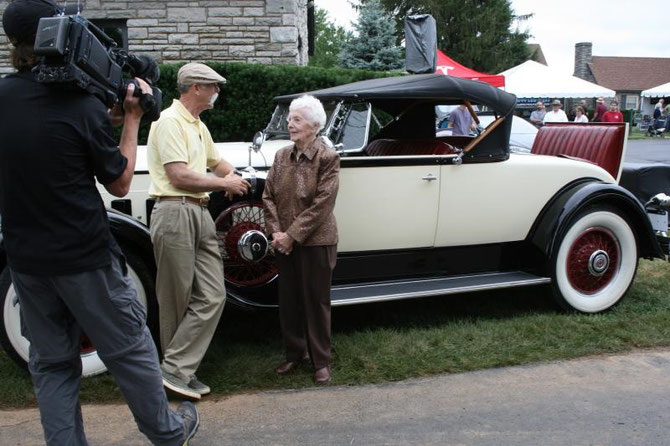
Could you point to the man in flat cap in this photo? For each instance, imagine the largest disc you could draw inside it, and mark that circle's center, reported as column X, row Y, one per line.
column 189, row 282
column 68, row 271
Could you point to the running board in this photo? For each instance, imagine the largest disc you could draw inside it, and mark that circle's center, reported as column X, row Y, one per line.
column 407, row 289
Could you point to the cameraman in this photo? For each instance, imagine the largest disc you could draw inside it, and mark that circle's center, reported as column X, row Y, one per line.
column 69, row 274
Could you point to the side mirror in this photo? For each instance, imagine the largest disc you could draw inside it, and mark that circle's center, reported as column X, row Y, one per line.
column 259, row 139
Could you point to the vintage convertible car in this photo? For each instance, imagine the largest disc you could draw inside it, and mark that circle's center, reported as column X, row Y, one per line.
column 421, row 214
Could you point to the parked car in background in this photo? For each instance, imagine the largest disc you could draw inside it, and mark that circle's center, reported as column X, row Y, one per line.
column 522, row 135
column 419, row 214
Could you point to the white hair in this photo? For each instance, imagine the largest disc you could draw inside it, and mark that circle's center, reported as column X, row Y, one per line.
column 315, row 112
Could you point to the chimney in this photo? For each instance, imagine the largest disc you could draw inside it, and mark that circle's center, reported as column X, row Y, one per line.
column 583, row 57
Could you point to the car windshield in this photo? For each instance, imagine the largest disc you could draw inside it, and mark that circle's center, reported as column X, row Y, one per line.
column 278, row 126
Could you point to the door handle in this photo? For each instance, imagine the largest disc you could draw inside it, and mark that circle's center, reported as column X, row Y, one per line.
column 429, row 177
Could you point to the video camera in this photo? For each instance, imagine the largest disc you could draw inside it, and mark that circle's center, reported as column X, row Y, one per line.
column 75, row 52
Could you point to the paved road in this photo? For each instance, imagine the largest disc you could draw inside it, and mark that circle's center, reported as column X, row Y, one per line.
column 650, row 150
column 606, row 400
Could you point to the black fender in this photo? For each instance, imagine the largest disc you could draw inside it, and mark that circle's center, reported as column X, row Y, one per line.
column 3, row 254
column 132, row 234
column 126, row 231
column 556, row 215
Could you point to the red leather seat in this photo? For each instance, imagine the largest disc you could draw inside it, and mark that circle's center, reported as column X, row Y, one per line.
column 408, row 147
column 598, row 143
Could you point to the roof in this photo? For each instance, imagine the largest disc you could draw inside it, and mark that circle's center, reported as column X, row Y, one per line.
column 534, row 80
column 449, row 67
column 536, row 53
column 630, row 73
column 430, row 87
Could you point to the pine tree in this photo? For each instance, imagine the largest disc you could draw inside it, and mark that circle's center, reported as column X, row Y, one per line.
column 374, row 47
column 476, row 33
column 328, row 41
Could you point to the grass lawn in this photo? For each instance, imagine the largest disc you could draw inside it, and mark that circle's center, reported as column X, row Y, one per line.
column 397, row 340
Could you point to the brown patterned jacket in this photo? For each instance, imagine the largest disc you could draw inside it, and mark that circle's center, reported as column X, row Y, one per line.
column 300, row 193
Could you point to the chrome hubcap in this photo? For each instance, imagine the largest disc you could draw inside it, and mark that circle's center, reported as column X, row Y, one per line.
column 599, row 261
column 253, row 246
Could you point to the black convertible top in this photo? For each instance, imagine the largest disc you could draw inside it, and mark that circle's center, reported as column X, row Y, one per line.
column 430, row 87
column 412, row 100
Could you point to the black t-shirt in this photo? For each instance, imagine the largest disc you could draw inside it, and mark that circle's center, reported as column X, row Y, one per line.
column 53, row 144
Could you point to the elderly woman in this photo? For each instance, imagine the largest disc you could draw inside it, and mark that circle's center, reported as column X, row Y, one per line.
column 299, row 198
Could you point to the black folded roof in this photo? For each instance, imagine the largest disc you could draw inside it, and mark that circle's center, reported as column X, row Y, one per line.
column 432, row 87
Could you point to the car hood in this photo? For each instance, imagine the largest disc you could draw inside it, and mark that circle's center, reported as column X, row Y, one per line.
column 236, row 153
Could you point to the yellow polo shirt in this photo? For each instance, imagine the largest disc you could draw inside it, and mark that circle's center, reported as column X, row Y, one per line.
column 178, row 137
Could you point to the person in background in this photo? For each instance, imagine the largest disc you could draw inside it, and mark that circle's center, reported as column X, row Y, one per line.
column 584, row 107
column 68, row 272
column 580, row 116
column 600, row 110
column 658, row 110
column 613, row 114
column 189, row 282
column 299, row 198
column 537, row 116
column 461, row 121
column 556, row 114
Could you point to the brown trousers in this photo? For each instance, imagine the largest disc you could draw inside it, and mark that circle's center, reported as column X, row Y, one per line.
column 305, row 276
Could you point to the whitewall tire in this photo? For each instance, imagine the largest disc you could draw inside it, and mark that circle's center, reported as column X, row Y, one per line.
column 595, row 261
column 17, row 346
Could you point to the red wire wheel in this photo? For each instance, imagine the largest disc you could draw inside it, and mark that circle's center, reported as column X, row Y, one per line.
column 231, row 225
column 593, row 260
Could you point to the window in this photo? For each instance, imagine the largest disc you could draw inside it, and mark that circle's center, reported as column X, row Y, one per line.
column 278, row 126
column 630, row 102
column 354, row 133
column 116, row 29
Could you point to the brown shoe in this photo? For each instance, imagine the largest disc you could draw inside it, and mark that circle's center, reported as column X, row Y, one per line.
column 322, row 376
column 286, row 367
column 289, row 366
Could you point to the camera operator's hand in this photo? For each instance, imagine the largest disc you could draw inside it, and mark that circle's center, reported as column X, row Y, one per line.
column 131, row 104
column 118, row 112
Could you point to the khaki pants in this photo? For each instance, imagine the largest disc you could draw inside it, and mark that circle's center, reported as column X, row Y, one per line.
column 189, row 283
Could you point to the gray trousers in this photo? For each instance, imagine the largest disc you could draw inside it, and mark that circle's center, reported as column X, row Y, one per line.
column 103, row 303
column 189, row 283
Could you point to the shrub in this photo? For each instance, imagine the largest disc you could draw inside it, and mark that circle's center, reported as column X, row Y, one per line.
column 245, row 104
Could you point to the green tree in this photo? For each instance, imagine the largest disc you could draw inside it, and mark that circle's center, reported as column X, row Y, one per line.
column 328, row 41
column 374, row 46
column 476, row 33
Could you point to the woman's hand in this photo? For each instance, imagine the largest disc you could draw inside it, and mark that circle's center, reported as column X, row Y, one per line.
column 282, row 242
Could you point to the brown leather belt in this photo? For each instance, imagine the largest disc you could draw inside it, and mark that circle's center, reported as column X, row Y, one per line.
column 184, row 199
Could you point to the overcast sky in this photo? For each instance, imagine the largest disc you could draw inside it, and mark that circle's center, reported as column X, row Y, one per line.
column 615, row 27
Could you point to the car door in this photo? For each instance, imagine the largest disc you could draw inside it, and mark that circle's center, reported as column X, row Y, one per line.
column 387, row 203
column 384, row 202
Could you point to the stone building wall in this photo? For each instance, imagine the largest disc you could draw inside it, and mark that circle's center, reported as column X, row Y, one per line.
column 255, row 31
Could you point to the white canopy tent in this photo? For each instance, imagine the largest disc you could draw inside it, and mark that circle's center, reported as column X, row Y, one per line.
column 534, row 80
column 660, row 91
